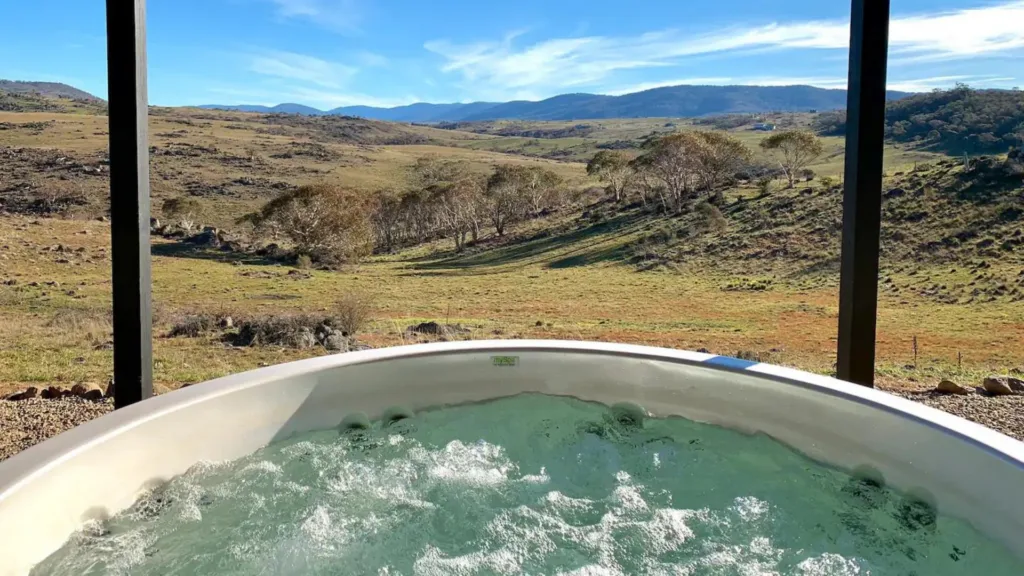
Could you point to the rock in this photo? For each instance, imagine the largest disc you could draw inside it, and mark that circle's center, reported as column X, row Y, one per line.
column 950, row 387
column 539, row 323
column 895, row 193
column 335, row 342
column 52, row 393
column 270, row 251
column 109, row 393
column 437, row 329
column 30, row 392
column 427, row 328
column 304, row 339
column 205, row 238
column 154, row 223
column 11, row 282
column 79, row 389
column 93, row 394
column 33, row 284
column 103, row 219
column 997, row 386
column 1016, row 384
column 227, row 322
column 703, row 351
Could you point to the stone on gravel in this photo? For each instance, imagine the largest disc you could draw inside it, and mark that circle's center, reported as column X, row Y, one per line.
column 27, row 394
column 1016, row 384
column 950, row 387
column 79, row 389
column 997, row 386
column 52, row 393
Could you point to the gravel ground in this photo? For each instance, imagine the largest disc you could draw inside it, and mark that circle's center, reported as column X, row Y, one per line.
column 1002, row 413
column 29, row 422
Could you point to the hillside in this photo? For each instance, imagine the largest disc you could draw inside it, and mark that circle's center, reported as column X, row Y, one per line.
column 957, row 121
column 755, row 276
column 52, row 89
column 667, row 102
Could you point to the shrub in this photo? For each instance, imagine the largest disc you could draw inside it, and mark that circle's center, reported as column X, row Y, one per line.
column 353, row 311
column 827, row 182
column 711, row 217
column 193, row 326
column 303, row 262
column 764, row 185
column 81, row 320
column 294, row 331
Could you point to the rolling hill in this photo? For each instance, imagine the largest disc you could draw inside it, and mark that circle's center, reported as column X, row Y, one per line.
column 672, row 101
column 51, row 89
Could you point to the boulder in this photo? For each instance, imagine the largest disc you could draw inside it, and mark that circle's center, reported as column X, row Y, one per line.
column 93, row 394
column 950, row 387
column 205, row 238
column 336, row 342
column 997, row 386
column 79, row 389
column 51, row 393
column 304, row 338
column 30, row 392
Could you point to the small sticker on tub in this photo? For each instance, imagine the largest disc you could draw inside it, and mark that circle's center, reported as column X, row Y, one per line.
column 505, row 360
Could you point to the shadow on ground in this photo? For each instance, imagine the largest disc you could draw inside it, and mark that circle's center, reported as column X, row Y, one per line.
column 188, row 250
column 595, row 243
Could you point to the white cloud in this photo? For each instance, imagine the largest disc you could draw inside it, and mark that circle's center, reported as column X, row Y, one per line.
column 339, row 15
column 928, row 84
column 300, row 67
column 556, row 64
column 371, row 59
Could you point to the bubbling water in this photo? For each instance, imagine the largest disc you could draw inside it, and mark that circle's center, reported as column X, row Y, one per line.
column 526, row 485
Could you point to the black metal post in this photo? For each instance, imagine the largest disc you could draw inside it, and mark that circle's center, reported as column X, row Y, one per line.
column 862, row 197
column 129, row 200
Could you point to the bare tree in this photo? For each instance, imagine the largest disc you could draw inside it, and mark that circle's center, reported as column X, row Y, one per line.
column 329, row 223
column 794, row 150
column 717, row 155
column 505, row 203
column 387, row 219
column 672, row 161
column 457, row 204
column 613, row 168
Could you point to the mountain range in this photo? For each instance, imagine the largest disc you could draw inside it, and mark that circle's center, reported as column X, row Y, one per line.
column 670, row 101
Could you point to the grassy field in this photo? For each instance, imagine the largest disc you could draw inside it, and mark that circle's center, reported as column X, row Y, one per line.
column 766, row 285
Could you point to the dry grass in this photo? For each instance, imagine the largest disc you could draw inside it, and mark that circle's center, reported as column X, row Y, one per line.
column 353, row 311
column 565, row 286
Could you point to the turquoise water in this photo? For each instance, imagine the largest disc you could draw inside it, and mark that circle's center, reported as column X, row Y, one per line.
column 527, row 485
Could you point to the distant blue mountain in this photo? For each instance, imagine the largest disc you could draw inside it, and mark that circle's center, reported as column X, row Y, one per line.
column 279, row 109
column 671, row 101
column 420, row 112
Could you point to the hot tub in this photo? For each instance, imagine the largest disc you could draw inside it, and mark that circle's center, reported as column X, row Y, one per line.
column 98, row 469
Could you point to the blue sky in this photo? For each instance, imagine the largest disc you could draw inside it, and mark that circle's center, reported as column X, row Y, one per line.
column 330, row 53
